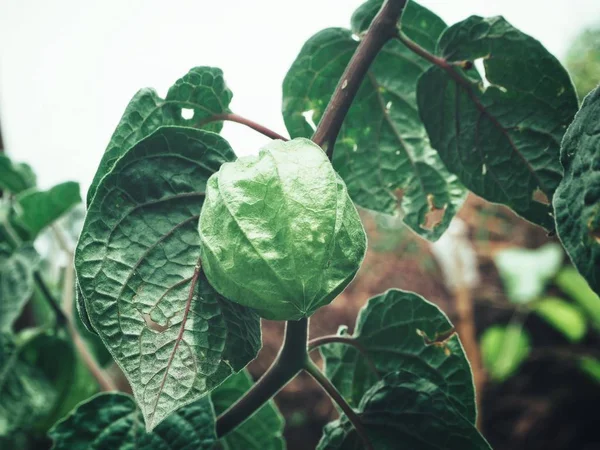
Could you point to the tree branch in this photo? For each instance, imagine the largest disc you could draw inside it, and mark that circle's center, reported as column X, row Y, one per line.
column 328, row 387
column 291, row 360
column 382, row 29
column 242, row 120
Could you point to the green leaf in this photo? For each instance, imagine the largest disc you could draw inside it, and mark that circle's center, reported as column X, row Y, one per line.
column 35, row 210
column 565, row 317
column 16, row 281
column 15, row 177
column 405, row 412
column 574, row 285
column 402, row 329
column 279, row 232
column 262, row 431
column 202, row 90
column 26, row 396
column 525, row 272
column 591, row 367
column 112, row 421
column 54, row 356
column 138, row 267
column 503, row 349
column 382, row 151
column 501, row 140
column 577, row 200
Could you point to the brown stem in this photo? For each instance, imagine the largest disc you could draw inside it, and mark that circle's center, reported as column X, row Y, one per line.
column 242, row 120
column 335, row 395
column 382, row 29
column 104, row 381
column 323, row 340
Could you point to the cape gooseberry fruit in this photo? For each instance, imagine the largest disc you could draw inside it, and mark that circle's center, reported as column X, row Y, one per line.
column 279, row 232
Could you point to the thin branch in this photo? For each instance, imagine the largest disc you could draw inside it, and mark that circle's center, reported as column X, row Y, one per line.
column 382, row 29
column 323, row 340
column 290, row 361
column 102, row 378
column 335, row 395
column 242, row 120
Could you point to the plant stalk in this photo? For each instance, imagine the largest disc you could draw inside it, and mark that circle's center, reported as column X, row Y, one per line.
column 382, row 29
column 335, row 395
column 242, row 120
column 290, row 361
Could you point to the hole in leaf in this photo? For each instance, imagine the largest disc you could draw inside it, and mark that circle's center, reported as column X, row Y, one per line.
column 155, row 326
column 483, row 169
column 478, row 63
column 388, row 106
column 439, row 340
column 540, row 197
column 308, row 116
column 435, row 215
column 187, row 113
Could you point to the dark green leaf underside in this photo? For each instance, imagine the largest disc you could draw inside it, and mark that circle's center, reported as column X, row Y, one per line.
column 501, row 140
column 382, row 152
column 577, row 199
column 112, row 421
column 262, row 431
column 393, row 328
column 404, row 411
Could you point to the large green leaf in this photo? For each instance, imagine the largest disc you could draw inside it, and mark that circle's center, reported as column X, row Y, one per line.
column 26, row 396
column 503, row 349
column 405, row 411
column 35, row 210
column 570, row 281
column 16, row 281
column 112, row 421
column 262, row 431
column 577, row 200
column 279, row 232
column 398, row 329
column 202, row 90
column 382, row 150
column 15, row 178
column 501, row 140
column 526, row 272
column 138, row 267
column 563, row 316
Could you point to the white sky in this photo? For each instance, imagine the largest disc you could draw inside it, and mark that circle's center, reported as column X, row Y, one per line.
column 69, row 67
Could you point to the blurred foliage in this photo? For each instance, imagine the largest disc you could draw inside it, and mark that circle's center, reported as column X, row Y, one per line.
column 503, row 349
column 525, row 272
column 583, row 61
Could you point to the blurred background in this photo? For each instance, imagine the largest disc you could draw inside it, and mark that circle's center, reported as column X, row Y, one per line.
column 68, row 69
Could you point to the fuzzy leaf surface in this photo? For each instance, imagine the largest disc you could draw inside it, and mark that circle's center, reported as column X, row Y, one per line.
column 138, row 268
